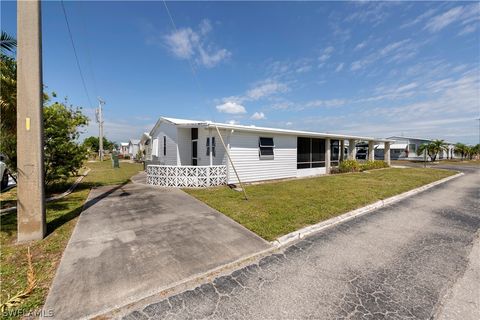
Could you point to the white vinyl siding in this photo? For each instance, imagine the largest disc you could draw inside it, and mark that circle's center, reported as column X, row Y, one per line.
column 245, row 156
column 184, row 138
column 220, row 155
column 170, row 132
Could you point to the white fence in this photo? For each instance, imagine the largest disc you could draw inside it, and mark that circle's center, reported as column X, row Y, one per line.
column 186, row 176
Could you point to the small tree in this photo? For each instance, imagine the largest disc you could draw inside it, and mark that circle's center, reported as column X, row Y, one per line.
column 460, row 148
column 64, row 156
column 92, row 144
column 432, row 148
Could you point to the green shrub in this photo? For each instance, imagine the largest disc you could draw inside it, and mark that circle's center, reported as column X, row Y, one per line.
column 369, row 165
column 349, row 166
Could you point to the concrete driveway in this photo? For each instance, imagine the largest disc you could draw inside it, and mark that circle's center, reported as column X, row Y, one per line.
column 131, row 241
column 415, row 259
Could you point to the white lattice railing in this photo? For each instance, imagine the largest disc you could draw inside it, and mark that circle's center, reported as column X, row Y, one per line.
column 186, row 176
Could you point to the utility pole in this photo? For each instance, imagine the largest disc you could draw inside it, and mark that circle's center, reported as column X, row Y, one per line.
column 31, row 222
column 100, row 127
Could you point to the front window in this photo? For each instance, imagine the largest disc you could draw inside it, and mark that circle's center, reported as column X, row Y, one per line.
column 164, row 145
column 335, row 152
column 266, row 146
column 310, row 153
column 213, row 146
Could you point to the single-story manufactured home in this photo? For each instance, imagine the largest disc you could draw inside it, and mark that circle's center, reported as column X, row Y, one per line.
column 189, row 153
column 123, row 149
column 405, row 148
column 133, row 147
column 145, row 145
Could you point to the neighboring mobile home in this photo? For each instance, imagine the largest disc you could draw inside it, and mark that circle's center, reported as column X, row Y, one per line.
column 405, row 148
column 123, row 149
column 145, row 145
column 189, row 153
column 133, row 147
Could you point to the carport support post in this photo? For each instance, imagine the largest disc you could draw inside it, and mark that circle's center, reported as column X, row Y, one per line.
column 351, row 149
column 371, row 151
column 327, row 155
column 386, row 153
column 31, row 223
column 342, row 149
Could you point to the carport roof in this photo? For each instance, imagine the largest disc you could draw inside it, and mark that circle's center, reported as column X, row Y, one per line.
column 252, row 128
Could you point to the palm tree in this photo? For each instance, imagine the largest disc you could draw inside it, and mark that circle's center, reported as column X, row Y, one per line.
column 8, row 83
column 432, row 148
column 461, row 149
column 438, row 146
column 8, row 101
column 8, row 43
column 425, row 149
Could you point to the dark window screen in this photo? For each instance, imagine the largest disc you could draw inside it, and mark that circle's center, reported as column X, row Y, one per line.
column 194, row 133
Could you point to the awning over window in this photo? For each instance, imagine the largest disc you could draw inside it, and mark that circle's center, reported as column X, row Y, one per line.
column 401, row 146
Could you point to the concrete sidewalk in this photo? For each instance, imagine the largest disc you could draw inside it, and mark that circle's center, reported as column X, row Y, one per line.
column 132, row 241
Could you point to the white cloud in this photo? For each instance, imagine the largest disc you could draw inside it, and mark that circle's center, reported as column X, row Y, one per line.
column 327, row 53
column 361, row 45
column 182, row 42
column 186, row 43
column 462, row 14
column 258, row 116
column 231, row 108
column 288, row 123
column 303, row 69
column 266, row 88
column 205, row 26
column 393, row 46
column 261, row 90
column 419, row 19
column 439, row 22
column 395, row 52
column 213, row 58
column 467, row 29
column 326, row 103
column 233, row 122
column 339, row 67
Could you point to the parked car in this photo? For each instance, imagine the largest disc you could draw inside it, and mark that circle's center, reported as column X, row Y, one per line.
column 362, row 154
column 3, row 173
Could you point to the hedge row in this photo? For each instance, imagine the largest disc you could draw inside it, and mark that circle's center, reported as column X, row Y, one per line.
column 355, row 166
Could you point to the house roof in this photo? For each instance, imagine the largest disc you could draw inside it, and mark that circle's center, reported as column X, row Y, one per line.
column 402, row 146
column 145, row 136
column 134, row 141
column 413, row 138
column 124, row 144
column 210, row 124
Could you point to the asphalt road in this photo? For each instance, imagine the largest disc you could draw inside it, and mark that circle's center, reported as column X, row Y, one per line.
column 410, row 260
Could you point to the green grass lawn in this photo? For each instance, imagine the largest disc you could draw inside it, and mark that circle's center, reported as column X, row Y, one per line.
column 275, row 209
column 62, row 216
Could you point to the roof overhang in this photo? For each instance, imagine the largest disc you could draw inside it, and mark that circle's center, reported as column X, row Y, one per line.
column 294, row 132
column 208, row 124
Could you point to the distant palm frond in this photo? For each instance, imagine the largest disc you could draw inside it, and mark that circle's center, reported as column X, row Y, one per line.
column 8, row 43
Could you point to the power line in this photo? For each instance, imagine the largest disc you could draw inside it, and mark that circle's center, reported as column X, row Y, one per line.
column 87, row 43
column 195, row 78
column 75, row 52
column 175, row 28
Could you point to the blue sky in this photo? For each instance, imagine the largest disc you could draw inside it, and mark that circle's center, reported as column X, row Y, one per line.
column 369, row 68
